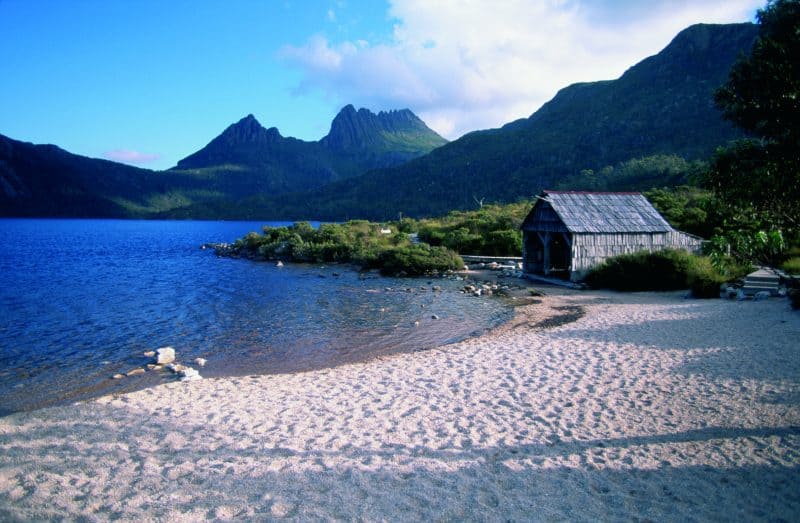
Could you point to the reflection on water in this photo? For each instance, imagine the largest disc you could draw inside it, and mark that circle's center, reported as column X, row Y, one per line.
column 82, row 299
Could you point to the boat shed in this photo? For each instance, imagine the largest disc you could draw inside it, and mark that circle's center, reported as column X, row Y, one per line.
column 568, row 233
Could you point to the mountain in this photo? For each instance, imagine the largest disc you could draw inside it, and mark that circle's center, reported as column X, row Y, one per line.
column 660, row 106
column 44, row 180
column 387, row 138
column 247, row 158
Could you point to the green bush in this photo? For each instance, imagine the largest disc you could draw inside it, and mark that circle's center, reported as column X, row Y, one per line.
column 792, row 265
column 493, row 230
column 703, row 278
column 659, row 271
column 418, row 260
column 504, row 243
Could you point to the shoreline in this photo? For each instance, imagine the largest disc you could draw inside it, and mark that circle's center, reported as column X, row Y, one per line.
column 83, row 375
column 648, row 405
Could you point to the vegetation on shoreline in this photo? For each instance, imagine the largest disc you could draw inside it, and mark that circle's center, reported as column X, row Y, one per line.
column 368, row 245
column 663, row 271
column 492, row 230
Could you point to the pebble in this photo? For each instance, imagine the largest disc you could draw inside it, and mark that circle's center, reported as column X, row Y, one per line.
column 201, row 361
column 134, row 372
column 149, row 353
column 117, row 376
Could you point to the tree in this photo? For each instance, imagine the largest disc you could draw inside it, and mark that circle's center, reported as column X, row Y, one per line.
column 761, row 176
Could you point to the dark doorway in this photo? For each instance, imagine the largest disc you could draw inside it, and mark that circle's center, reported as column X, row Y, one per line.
column 559, row 257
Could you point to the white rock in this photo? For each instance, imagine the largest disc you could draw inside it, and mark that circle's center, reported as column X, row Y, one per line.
column 279, row 264
column 189, row 374
column 165, row 355
column 175, row 367
column 134, row 372
column 201, row 361
column 149, row 353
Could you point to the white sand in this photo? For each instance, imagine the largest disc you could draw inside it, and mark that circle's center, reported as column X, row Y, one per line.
column 650, row 406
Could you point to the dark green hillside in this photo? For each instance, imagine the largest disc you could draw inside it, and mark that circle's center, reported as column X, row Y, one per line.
column 44, row 180
column 662, row 106
column 246, row 159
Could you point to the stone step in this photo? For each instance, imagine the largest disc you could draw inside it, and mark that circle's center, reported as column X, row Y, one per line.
column 753, row 289
column 764, row 279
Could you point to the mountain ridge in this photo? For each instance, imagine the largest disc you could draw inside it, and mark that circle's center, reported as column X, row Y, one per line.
column 661, row 105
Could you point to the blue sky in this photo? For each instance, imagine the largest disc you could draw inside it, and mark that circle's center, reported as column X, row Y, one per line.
column 149, row 82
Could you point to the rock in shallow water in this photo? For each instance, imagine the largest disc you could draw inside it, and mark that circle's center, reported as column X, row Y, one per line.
column 165, row 355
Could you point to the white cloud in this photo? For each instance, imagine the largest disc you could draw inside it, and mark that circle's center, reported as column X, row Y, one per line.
column 465, row 65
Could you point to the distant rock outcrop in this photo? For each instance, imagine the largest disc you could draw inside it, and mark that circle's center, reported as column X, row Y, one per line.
column 248, row 160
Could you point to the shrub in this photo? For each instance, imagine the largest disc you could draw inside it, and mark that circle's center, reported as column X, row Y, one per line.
column 659, row 271
column 642, row 271
column 792, row 265
column 504, row 243
column 417, row 260
column 703, row 279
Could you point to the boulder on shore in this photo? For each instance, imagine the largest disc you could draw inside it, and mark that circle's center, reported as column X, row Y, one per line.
column 189, row 374
column 165, row 355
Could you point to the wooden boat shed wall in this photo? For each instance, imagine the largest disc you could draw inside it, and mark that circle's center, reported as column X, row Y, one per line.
column 568, row 233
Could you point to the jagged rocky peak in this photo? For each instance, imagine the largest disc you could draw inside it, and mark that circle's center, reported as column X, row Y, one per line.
column 353, row 128
column 248, row 129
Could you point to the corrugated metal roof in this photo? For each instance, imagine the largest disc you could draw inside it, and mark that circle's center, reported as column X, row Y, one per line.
column 606, row 212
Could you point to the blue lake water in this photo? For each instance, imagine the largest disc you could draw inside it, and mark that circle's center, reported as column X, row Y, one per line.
column 81, row 300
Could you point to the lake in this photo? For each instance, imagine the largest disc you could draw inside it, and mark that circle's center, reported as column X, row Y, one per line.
column 81, row 300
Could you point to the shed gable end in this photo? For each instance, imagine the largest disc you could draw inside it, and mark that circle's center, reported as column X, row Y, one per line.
column 543, row 218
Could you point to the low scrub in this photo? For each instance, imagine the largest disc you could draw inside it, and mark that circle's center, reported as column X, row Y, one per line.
column 659, row 271
column 792, row 265
column 369, row 245
column 493, row 230
column 418, row 260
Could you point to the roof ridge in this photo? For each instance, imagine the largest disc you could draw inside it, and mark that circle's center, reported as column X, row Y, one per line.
column 546, row 191
column 605, row 212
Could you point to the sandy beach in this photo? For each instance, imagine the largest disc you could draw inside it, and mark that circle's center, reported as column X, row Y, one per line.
column 648, row 406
